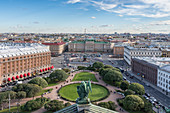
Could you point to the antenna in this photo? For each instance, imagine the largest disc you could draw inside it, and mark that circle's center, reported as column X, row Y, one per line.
column 85, row 32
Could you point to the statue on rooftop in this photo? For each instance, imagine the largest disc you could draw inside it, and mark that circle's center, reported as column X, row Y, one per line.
column 83, row 91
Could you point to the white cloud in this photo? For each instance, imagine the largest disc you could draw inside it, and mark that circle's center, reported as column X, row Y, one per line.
column 104, row 6
column 93, row 17
column 106, row 25
column 133, row 19
column 73, row 1
column 165, row 22
column 120, row 15
column 145, row 8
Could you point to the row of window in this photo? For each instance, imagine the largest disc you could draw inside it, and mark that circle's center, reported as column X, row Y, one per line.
column 163, row 85
column 163, row 74
column 25, row 57
column 146, row 53
column 23, row 71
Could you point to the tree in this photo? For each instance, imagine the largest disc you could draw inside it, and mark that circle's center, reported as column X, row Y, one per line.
column 34, row 104
column 12, row 94
column 98, row 65
column 20, row 95
column 59, row 75
column 113, row 76
column 148, row 106
column 103, row 71
column 133, row 102
column 30, row 89
column 111, row 67
column 81, row 67
column 3, row 98
column 109, row 105
column 66, row 70
column 39, row 81
column 124, row 85
column 137, row 88
column 55, row 105
column 129, row 92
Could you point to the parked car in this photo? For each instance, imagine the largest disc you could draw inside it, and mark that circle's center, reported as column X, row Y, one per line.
column 147, row 85
column 128, row 81
column 147, row 94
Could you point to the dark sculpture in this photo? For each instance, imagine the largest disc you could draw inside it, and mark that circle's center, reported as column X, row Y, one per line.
column 83, row 91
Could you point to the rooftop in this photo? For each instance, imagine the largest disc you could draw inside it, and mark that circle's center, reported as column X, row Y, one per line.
column 159, row 61
column 145, row 49
column 54, row 43
column 18, row 49
column 92, row 109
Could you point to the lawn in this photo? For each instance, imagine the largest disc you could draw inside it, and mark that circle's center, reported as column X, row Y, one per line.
column 12, row 110
column 53, row 84
column 84, row 76
column 70, row 92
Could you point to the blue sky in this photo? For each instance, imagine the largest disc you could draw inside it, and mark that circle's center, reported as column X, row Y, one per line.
column 73, row 16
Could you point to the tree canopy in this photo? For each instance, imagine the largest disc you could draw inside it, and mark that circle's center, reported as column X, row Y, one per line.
column 98, row 65
column 133, row 102
column 59, row 75
column 30, row 89
column 109, row 105
column 129, row 92
column 113, row 76
column 137, row 88
column 39, row 81
column 55, row 105
column 124, row 85
column 34, row 104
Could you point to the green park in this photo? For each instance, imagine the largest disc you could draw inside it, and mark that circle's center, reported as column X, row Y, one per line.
column 84, row 76
column 69, row 92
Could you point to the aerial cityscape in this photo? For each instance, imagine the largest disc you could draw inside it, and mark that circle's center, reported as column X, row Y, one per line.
column 85, row 56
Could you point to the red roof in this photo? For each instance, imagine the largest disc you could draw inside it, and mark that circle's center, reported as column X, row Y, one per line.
column 58, row 43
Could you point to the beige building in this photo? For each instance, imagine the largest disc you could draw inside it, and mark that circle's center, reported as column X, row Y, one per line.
column 21, row 60
column 118, row 51
column 56, row 48
column 90, row 45
column 165, row 52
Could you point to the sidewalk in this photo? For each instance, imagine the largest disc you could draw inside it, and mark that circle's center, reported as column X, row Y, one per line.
column 146, row 82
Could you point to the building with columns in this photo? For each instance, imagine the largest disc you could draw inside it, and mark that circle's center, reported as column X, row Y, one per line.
column 21, row 60
column 90, row 45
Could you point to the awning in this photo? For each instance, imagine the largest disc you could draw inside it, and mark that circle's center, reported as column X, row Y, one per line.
column 17, row 77
column 21, row 76
column 9, row 79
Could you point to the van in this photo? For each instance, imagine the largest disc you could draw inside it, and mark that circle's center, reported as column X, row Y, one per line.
column 19, row 82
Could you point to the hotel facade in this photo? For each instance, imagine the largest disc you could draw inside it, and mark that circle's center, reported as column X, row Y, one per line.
column 22, row 60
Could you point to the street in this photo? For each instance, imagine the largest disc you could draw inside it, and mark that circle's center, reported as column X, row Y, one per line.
column 115, row 62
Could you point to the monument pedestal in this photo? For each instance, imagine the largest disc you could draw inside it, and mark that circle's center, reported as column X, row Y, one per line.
column 81, row 107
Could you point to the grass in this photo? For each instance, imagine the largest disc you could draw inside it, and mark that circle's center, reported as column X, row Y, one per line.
column 44, row 91
column 70, row 92
column 53, row 84
column 13, row 109
column 84, row 76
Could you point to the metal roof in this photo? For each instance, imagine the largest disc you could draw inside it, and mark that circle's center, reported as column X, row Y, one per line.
column 17, row 49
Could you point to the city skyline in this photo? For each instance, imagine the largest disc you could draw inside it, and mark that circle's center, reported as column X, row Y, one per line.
column 73, row 16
